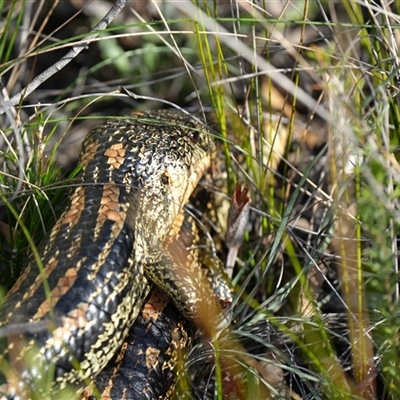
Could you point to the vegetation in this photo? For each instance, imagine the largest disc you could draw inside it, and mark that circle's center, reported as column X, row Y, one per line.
column 305, row 97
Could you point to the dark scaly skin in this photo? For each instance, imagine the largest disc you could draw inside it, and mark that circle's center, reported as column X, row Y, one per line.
column 152, row 354
column 137, row 174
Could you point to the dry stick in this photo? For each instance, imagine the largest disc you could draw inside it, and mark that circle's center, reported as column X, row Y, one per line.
column 114, row 11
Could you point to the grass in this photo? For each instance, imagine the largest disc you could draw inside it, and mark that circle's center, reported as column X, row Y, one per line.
column 305, row 99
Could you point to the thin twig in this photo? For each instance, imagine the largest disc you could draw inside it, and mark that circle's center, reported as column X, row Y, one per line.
column 65, row 60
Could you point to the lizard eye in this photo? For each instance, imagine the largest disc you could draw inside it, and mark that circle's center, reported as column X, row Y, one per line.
column 194, row 136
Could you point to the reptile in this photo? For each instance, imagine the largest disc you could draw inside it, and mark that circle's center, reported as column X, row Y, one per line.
column 152, row 359
column 66, row 315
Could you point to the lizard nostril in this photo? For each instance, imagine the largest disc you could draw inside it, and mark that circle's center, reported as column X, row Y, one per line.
column 165, row 179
